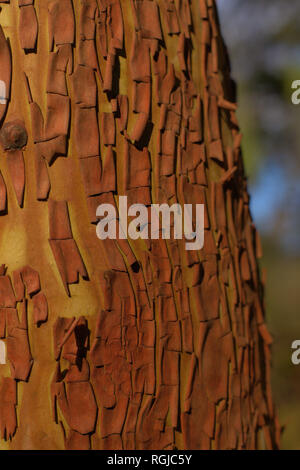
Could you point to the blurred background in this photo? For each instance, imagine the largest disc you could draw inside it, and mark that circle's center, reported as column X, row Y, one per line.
column 263, row 39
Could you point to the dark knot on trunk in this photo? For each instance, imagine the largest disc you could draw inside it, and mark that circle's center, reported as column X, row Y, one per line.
column 13, row 135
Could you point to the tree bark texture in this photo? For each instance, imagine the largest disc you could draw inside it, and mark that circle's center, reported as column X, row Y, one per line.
column 123, row 344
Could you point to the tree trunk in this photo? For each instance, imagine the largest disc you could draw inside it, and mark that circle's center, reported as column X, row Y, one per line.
column 125, row 344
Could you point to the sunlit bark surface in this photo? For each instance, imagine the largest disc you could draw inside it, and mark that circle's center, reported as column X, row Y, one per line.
column 125, row 344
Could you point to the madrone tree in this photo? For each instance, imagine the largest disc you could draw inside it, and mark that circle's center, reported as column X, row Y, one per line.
column 125, row 344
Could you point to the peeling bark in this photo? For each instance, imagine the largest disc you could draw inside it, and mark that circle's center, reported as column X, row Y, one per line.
column 123, row 344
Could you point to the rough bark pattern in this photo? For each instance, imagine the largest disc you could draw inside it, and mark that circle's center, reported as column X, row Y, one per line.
column 146, row 345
